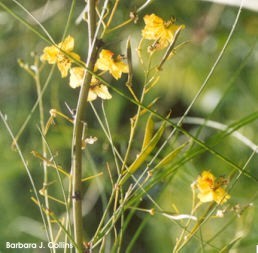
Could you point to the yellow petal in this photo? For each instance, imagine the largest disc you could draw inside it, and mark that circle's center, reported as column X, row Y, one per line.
column 68, row 44
column 74, row 56
column 99, row 91
column 105, row 60
column 107, row 63
column 221, row 196
column 50, row 54
column 63, row 67
column 76, row 77
column 207, row 196
column 205, row 182
column 54, row 55
column 117, row 69
column 159, row 31
column 153, row 20
column 154, row 25
column 102, row 91
column 209, row 189
column 91, row 95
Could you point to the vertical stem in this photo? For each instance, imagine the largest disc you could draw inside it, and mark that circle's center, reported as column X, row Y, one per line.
column 44, row 148
column 78, row 132
column 91, row 21
column 77, row 163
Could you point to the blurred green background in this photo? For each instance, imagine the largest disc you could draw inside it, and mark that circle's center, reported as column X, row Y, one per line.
column 229, row 97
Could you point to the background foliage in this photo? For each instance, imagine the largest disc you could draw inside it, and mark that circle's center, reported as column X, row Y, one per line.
column 230, row 98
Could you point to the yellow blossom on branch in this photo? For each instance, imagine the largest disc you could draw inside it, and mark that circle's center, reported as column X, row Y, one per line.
column 60, row 55
column 210, row 189
column 162, row 32
column 106, row 62
column 96, row 89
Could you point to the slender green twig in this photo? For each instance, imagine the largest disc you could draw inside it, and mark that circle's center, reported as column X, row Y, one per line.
column 133, row 17
column 66, row 201
column 144, row 5
column 135, row 119
column 56, row 219
column 44, row 148
column 170, row 48
column 110, row 18
column 110, row 137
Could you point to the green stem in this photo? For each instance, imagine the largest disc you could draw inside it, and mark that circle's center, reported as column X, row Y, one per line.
column 91, row 21
column 44, row 147
column 135, row 119
column 78, row 133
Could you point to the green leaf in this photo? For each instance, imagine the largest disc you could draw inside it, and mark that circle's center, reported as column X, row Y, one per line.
column 170, row 156
column 144, row 154
column 230, row 245
column 148, row 132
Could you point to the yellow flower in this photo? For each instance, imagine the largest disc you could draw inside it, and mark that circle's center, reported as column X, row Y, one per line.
column 106, row 62
column 96, row 89
column 210, row 189
column 59, row 55
column 162, row 32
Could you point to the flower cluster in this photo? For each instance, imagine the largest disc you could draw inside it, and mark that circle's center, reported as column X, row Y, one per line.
column 162, row 32
column 62, row 54
column 210, row 189
column 156, row 29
